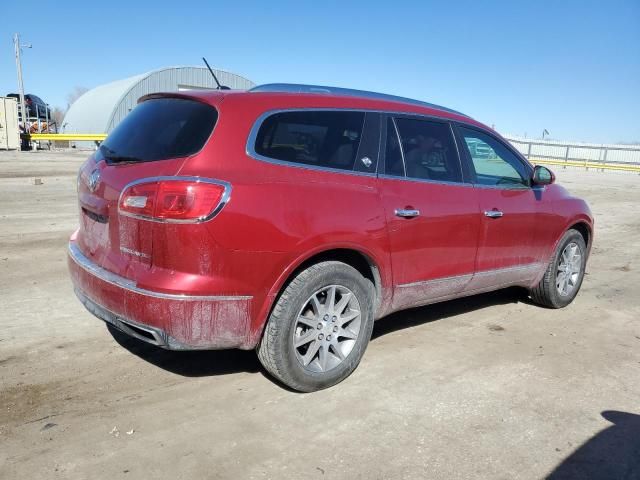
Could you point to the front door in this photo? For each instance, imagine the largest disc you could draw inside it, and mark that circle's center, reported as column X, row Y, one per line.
column 432, row 214
column 508, row 208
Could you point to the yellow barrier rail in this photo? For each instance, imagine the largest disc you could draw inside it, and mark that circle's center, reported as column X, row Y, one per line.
column 80, row 137
column 588, row 164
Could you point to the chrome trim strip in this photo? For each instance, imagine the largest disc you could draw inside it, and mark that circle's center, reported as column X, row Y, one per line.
column 426, row 180
column 400, row 147
column 253, row 134
column 497, row 187
column 463, row 294
column 226, row 197
column 483, row 273
column 436, row 281
column 83, row 262
column 516, row 268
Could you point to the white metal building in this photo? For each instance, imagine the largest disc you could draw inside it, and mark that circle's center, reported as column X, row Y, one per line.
column 103, row 107
column 9, row 130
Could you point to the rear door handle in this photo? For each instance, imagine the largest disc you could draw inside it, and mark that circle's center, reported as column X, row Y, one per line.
column 407, row 213
column 493, row 213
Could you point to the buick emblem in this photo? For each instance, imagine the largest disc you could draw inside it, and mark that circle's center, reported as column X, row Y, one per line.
column 94, row 180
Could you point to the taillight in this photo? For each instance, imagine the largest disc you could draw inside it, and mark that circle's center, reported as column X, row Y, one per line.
column 174, row 199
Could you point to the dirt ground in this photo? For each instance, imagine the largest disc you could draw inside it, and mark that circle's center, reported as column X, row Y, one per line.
column 484, row 387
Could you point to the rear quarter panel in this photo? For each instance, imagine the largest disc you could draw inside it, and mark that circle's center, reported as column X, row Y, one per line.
column 280, row 215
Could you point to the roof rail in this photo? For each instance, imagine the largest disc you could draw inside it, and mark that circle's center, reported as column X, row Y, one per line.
column 300, row 88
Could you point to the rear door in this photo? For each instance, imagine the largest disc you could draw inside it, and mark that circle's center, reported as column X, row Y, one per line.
column 431, row 211
column 508, row 206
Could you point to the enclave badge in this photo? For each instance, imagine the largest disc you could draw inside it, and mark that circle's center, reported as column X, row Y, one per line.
column 94, row 180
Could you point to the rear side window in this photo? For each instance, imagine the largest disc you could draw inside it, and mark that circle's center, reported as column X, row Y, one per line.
column 159, row 129
column 428, row 150
column 319, row 138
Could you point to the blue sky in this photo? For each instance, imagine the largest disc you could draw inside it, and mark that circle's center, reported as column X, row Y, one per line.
column 572, row 67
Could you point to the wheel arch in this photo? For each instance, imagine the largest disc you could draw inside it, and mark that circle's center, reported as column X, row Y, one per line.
column 362, row 261
column 585, row 230
column 582, row 225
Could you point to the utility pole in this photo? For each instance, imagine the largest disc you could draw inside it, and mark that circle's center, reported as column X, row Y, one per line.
column 18, row 48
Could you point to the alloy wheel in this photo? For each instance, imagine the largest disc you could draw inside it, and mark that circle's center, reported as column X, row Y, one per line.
column 569, row 269
column 327, row 328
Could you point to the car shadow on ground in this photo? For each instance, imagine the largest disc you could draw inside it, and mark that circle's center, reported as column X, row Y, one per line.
column 195, row 363
column 613, row 453
column 440, row 311
column 221, row 362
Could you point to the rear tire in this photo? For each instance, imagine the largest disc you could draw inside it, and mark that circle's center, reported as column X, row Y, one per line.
column 319, row 328
column 563, row 278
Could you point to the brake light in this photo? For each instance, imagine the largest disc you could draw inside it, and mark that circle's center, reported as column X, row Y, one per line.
column 174, row 199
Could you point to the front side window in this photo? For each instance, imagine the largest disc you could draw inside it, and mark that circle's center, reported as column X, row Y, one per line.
column 494, row 164
column 318, row 138
column 428, row 148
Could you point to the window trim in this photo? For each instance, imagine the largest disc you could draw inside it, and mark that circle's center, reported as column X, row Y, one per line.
column 469, row 161
column 397, row 135
column 426, row 118
column 467, row 177
column 250, row 149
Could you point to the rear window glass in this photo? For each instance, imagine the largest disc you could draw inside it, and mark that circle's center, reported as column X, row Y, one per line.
column 159, row 129
column 429, row 150
column 320, row 138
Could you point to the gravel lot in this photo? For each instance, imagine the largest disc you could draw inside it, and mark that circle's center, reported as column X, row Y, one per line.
column 484, row 387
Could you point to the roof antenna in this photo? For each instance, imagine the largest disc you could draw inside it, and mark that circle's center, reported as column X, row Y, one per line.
column 220, row 87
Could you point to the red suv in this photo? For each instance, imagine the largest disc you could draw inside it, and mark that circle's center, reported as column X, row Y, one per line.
column 288, row 218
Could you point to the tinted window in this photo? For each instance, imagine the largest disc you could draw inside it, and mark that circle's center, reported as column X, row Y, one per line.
column 429, row 150
column 494, row 164
column 158, row 129
column 320, row 138
column 393, row 155
column 367, row 158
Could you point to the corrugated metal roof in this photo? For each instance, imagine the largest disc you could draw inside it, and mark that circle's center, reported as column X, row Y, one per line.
column 103, row 107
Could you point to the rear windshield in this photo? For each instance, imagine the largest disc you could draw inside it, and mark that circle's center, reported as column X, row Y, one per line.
column 159, row 129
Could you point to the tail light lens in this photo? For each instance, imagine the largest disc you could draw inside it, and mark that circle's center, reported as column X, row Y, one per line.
column 177, row 199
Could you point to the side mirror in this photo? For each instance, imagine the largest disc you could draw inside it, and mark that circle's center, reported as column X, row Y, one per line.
column 542, row 176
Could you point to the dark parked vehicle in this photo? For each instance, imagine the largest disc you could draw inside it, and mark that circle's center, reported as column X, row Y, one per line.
column 36, row 108
column 288, row 218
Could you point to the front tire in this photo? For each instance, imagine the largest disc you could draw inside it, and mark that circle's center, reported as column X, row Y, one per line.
column 563, row 278
column 319, row 328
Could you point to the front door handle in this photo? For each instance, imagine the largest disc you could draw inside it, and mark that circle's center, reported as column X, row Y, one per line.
column 407, row 213
column 493, row 213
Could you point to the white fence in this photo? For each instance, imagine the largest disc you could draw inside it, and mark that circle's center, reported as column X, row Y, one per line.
column 589, row 155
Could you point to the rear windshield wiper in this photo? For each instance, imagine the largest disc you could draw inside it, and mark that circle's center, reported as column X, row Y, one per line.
column 122, row 158
column 111, row 156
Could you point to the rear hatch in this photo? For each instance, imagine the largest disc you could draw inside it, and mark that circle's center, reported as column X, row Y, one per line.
column 154, row 140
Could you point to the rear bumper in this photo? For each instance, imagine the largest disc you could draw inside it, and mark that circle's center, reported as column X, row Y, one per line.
column 176, row 321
